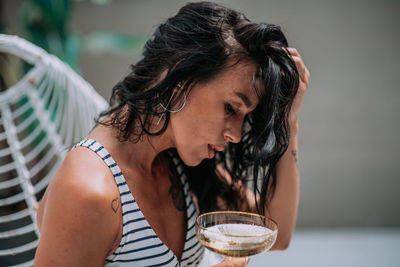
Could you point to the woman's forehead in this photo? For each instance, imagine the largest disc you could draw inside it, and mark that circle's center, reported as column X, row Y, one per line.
column 244, row 82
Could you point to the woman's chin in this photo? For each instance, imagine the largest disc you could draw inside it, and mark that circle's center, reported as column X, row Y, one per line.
column 192, row 161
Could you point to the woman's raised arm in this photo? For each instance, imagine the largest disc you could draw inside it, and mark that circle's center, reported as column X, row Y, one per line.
column 283, row 206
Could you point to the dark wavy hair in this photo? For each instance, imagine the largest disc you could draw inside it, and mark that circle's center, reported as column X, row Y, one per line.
column 194, row 46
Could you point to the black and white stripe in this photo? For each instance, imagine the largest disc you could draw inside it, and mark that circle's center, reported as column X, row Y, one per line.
column 140, row 246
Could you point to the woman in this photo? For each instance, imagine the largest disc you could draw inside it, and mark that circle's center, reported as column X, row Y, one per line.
column 214, row 102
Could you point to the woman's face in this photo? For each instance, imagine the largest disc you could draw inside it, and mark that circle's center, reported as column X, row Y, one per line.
column 214, row 113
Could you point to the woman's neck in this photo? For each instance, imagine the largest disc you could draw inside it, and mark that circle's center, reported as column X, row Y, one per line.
column 141, row 155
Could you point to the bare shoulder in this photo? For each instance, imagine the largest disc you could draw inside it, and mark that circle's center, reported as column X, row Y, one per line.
column 83, row 179
column 79, row 215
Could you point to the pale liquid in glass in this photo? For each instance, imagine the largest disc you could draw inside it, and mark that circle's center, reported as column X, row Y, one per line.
column 231, row 240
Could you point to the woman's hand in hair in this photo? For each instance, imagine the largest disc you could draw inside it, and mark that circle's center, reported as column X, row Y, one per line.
column 233, row 262
column 283, row 206
column 304, row 77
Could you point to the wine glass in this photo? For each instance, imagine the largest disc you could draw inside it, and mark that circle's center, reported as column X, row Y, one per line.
column 236, row 234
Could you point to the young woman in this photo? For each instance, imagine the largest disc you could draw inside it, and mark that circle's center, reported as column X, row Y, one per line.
column 213, row 104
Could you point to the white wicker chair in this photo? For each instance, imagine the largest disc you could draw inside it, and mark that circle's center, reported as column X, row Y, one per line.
column 41, row 117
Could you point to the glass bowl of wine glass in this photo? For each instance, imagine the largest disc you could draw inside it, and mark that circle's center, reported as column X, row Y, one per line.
column 236, row 234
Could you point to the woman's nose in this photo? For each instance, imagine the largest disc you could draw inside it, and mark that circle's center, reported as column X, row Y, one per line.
column 233, row 134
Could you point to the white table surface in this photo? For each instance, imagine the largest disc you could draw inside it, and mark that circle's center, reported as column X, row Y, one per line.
column 346, row 247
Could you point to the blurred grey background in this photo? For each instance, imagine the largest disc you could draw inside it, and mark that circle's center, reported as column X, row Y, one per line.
column 349, row 135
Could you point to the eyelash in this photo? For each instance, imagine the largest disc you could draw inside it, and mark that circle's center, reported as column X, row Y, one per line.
column 229, row 109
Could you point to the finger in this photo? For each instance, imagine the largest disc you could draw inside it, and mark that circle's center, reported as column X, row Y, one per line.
column 233, row 262
column 237, row 262
column 294, row 54
column 304, row 74
column 298, row 60
column 293, row 51
column 301, row 67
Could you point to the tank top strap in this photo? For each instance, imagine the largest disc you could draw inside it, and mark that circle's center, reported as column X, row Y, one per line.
column 102, row 152
column 193, row 250
column 140, row 246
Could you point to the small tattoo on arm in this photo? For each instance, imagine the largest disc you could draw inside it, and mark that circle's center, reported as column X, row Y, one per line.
column 294, row 154
column 115, row 204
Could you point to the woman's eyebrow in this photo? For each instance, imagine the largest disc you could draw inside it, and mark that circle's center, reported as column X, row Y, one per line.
column 244, row 98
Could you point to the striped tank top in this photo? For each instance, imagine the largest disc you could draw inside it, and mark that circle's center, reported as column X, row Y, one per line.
column 140, row 246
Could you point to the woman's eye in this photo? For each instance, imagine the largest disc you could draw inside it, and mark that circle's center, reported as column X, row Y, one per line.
column 229, row 109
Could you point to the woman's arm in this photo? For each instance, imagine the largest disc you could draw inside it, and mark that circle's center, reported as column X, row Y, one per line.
column 282, row 207
column 77, row 220
column 284, row 204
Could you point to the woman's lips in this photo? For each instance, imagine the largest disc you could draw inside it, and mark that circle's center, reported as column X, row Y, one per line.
column 212, row 149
